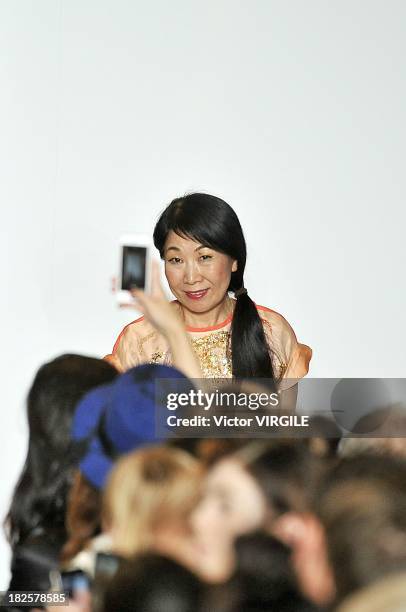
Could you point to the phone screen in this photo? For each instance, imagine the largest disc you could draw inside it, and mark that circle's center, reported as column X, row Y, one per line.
column 106, row 565
column 74, row 582
column 133, row 269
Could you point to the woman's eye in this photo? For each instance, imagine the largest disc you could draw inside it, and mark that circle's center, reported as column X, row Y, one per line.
column 174, row 260
column 205, row 257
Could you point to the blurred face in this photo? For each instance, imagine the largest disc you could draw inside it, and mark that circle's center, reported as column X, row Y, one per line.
column 197, row 275
column 232, row 504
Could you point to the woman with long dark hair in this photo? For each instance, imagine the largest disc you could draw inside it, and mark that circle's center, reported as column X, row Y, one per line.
column 201, row 241
column 35, row 523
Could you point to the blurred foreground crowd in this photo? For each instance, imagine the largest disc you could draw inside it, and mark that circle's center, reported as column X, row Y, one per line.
column 125, row 522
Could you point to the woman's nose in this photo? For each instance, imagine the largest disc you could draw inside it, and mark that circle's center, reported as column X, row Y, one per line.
column 192, row 274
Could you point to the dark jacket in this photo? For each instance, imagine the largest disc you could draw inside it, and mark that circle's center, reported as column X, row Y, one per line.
column 33, row 560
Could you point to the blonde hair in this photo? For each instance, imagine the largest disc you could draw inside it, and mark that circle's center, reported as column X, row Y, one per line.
column 146, row 489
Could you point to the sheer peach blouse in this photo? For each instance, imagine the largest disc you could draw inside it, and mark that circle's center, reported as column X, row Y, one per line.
column 140, row 343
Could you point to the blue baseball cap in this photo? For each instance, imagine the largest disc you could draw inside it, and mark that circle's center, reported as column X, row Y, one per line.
column 120, row 417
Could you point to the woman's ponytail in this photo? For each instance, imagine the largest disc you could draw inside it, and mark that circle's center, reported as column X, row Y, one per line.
column 250, row 353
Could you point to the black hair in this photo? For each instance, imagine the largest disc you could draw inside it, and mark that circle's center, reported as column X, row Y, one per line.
column 39, row 499
column 151, row 583
column 263, row 581
column 212, row 222
column 266, row 577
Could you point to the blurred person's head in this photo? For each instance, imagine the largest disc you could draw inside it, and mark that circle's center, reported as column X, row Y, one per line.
column 153, row 583
column 291, row 473
column 287, row 472
column 232, row 504
column 148, row 501
column 121, row 417
column 362, row 507
column 39, row 499
column 277, row 477
column 112, row 421
column 249, row 489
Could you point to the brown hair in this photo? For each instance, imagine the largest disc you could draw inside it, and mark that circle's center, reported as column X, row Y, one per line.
column 363, row 510
column 83, row 516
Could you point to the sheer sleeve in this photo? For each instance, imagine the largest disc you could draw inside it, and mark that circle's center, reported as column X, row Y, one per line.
column 290, row 359
column 114, row 361
column 126, row 353
column 138, row 343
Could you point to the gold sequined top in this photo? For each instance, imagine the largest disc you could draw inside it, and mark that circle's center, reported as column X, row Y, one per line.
column 140, row 343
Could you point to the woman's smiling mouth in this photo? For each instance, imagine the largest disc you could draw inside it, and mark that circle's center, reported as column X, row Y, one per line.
column 196, row 295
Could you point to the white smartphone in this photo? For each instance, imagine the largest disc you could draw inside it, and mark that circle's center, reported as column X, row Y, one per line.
column 135, row 266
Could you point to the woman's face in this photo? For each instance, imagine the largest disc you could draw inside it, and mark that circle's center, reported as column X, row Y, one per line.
column 232, row 504
column 197, row 275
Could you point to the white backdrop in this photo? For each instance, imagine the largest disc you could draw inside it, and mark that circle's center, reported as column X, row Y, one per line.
column 294, row 112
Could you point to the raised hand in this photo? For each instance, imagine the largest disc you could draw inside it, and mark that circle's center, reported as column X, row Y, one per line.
column 163, row 315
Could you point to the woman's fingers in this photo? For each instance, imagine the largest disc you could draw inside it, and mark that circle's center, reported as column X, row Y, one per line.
column 140, row 299
column 155, row 306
